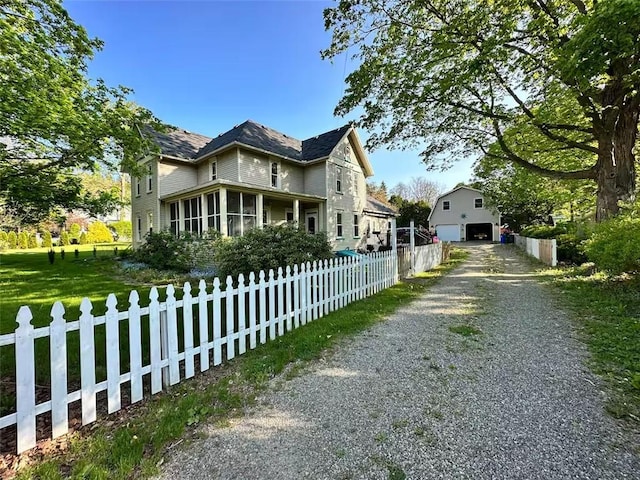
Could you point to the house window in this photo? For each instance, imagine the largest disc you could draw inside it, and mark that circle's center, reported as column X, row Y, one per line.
column 213, row 211
column 275, row 177
column 192, row 215
column 149, row 179
column 174, row 218
column 241, row 213
column 266, row 216
column 477, row 203
column 446, row 205
column 137, row 187
column 356, row 226
column 150, row 222
column 214, row 170
column 338, row 179
column 339, row 225
column 139, row 229
column 289, row 215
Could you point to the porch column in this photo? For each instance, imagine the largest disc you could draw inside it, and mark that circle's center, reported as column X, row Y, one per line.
column 180, row 216
column 259, row 210
column 322, row 222
column 223, row 212
column 296, row 212
column 204, row 213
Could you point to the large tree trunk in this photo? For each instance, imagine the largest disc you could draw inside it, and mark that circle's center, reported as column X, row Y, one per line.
column 624, row 141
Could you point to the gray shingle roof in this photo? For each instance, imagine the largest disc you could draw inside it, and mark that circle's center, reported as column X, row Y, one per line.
column 376, row 206
column 177, row 142
column 187, row 145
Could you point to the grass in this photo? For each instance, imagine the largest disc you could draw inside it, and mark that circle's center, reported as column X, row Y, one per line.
column 135, row 447
column 607, row 311
column 465, row 330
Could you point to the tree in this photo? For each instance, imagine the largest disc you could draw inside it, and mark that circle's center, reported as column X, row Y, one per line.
column 524, row 198
column 409, row 210
column 54, row 121
column 453, row 77
column 419, row 189
column 46, row 239
column 379, row 192
column 98, row 232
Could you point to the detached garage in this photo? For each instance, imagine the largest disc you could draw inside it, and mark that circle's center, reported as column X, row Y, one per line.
column 461, row 215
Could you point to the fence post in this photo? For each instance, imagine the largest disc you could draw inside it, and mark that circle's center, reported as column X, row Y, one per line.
column 172, row 336
column 113, row 354
column 87, row 362
column 394, row 249
column 154, row 341
column 412, row 247
column 164, row 348
column 58, row 345
column 25, row 381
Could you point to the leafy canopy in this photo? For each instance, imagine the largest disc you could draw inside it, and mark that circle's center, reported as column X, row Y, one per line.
column 55, row 121
column 452, row 77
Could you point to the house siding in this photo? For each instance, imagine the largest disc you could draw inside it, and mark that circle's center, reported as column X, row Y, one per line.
column 227, row 167
column 146, row 203
column 174, row 177
column 315, row 179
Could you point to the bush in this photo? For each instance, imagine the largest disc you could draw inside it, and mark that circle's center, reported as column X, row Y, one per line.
column 98, row 232
column 74, row 231
column 64, row 238
column 271, row 247
column 46, row 240
column 83, row 238
column 165, row 251
column 4, row 237
column 23, row 240
column 12, row 239
column 615, row 244
column 32, row 241
column 570, row 248
column 123, row 229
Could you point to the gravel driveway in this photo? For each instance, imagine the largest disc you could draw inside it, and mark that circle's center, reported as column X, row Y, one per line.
column 482, row 378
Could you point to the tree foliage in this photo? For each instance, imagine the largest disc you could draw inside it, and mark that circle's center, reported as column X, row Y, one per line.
column 54, row 121
column 419, row 189
column 452, row 78
column 409, row 210
column 98, row 232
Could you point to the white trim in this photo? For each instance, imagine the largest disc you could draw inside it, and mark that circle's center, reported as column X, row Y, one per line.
column 481, row 201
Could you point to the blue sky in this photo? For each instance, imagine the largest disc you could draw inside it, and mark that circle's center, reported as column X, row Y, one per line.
column 207, row 66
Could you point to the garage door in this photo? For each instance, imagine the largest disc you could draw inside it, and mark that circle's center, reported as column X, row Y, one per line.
column 448, row 233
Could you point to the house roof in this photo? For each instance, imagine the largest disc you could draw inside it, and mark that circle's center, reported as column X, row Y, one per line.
column 376, row 206
column 177, row 142
column 192, row 146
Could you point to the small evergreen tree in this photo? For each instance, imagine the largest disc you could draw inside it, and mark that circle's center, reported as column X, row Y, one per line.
column 74, row 231
column 83, row 238
column 64, row 238
column 23, row 240
column 12, row 239
column 32, row 241
column 4, row 237
column 46, row 239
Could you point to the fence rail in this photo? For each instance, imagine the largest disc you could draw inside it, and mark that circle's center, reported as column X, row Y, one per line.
column 208, row 327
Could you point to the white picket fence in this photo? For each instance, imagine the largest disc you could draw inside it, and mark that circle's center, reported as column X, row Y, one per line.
column 265, row 307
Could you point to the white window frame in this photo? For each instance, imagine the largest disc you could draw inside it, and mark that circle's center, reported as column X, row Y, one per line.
column 190, row 216
column 481, row 203
column 149, row 179
column 338, row 179
column 288, row 211
column 231, row 217
column 139, row 228
column 137, row 186
column 275, row 177
column 149, row 222
column 356, row 225
column 446, row 205
column 174, row 223
column 214, row 170
column 213, row 205
column 339, row 225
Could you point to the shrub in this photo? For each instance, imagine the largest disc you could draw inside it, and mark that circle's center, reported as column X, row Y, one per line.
column 64, row 238
column 123, row 229
column 165, row 251
column 615, row 244
column 98, row 232
column 570, row 248
column 12, row 239
column 23, row 240
column 4, row 237
column 271, row 247
column 46, row 239
column 83, row 238
column 32, row 241
column 74, row 231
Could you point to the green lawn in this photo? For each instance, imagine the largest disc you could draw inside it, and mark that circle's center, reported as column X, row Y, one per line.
column 27, row 278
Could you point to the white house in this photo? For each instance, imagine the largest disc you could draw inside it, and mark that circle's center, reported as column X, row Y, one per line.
column 252, row 176
column 461, row 214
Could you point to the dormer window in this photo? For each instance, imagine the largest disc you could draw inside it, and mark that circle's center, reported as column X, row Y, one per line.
column 275, row 174
column 214, row 170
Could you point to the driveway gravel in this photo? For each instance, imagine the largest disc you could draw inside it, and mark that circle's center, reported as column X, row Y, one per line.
column 481, row 378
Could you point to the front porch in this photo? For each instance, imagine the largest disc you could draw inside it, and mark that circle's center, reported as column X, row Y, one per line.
column 233, row 211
